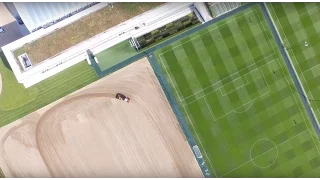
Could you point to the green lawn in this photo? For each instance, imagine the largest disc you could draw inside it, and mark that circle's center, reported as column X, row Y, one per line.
column 16, row 101
column 13, row 93
column 236, row 94
column 298, row 23
column 115, row 54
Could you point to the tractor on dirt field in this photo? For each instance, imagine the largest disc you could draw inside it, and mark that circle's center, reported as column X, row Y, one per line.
column 122, row 97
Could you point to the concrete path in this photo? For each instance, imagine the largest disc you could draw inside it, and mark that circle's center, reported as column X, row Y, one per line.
column 12, row 9
column 11, row 28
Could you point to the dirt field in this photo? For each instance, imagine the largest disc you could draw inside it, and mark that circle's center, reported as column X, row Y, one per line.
column 92, row 134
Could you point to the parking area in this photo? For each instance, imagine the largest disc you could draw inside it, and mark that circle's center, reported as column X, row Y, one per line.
column 11, row 29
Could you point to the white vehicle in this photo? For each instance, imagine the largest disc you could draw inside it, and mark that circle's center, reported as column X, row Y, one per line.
column 1, row 30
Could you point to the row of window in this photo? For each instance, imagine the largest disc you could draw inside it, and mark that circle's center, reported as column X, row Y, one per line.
column 64, row 17
column 46, row 70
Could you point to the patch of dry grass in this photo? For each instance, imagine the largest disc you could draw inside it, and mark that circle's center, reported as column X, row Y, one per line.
column 85, row 28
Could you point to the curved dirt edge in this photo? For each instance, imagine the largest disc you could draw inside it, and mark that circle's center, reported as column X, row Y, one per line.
column 99, row 90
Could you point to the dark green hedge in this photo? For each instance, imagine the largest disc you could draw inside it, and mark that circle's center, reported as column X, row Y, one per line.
column 167, row 30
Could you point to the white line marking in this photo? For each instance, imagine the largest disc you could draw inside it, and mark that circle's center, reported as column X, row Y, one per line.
column 247, row 82
column 224, row 79
column 265, row 79
column 194, row 129
column 206, row 32
column 317, row 108
column 208, row 107
column 261, row 96
column 309, row 68
column 239, row 107
column 306, row 11
column 260, row 23
column 265, row 31
column 231, row 111
column 263, row 153
column 314, row 141
column 236, row 110
column 228, row 76
column 170, row 78
column 275, row 146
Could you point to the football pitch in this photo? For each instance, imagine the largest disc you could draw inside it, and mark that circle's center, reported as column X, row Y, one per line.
column 299, row 27
column 239, row 100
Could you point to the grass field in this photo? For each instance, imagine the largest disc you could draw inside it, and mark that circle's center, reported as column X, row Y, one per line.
column 115, row 54
column 298, row 23
column 17, row 101
column 237, row 95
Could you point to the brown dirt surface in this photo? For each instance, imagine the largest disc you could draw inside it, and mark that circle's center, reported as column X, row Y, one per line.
column 90, row 133
column 83, row 29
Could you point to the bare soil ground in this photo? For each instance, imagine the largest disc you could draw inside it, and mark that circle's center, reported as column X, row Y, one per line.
column 91, row 134
column 83, row 29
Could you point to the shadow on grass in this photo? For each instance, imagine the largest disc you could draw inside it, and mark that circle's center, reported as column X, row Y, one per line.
column 5, row 61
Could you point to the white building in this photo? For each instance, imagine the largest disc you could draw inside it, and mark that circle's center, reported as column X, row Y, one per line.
column 146, row 22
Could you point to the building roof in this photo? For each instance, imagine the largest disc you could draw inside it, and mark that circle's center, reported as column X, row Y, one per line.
column 35, row 14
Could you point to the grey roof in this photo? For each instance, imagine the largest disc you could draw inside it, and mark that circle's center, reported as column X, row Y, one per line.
column 35, row 14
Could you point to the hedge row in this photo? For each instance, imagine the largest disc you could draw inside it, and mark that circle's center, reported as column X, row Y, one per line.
column 167, row 30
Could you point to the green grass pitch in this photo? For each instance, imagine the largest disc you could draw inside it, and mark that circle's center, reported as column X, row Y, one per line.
column 238, row 98
column 298, row 23
column 115, row 54
column 17, row 101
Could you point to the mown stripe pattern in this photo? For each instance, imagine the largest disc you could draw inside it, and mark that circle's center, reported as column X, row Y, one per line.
column 235, row 91
column 299, row 27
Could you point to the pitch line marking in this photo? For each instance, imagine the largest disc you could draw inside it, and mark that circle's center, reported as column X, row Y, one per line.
column 194, row 129
column 263, row 153
column 308, row 10
column 206, row 32
column 309, row 68
column 229, row 76
column 275, row 146
column 236, row 110
column 170, row 78
column 224, row 79
column 260, row 23
column 247, row 82
column 241, row 69
column 216, row 119
column 208, row 107
column 238, row 107
column 304, row 119
column 317, row 108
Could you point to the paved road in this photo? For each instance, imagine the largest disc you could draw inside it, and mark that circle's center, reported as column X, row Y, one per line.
column 11, row 28
column 12, row 9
